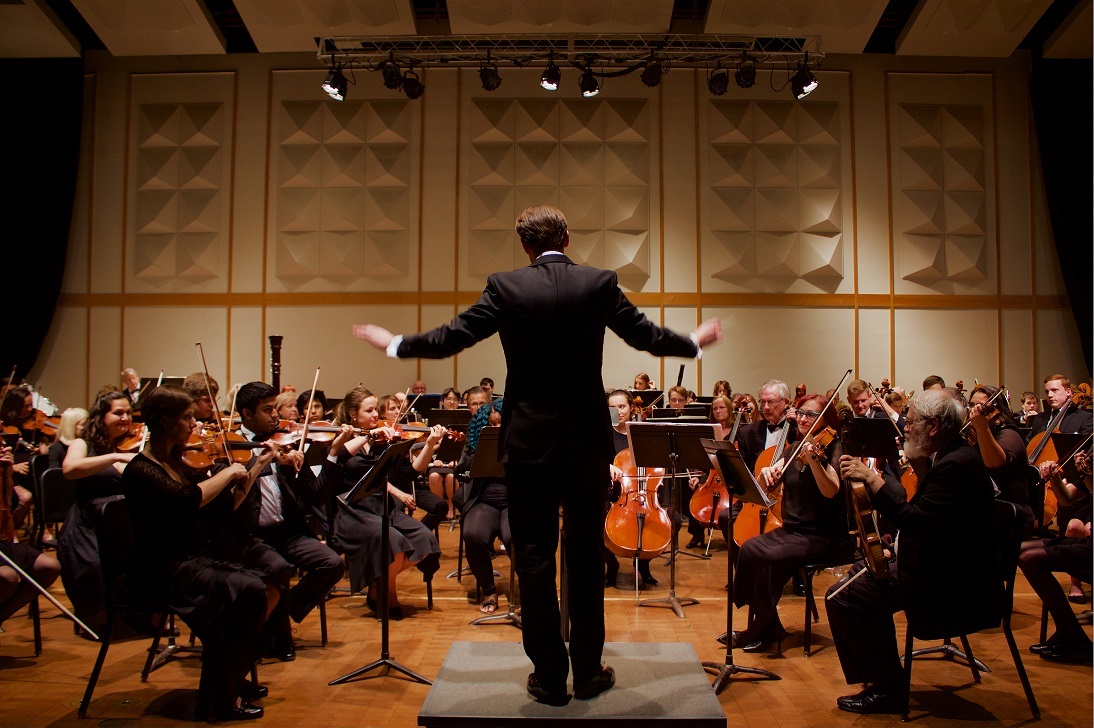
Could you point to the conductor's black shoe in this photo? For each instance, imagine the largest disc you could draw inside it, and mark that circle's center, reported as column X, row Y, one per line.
column 598, row 683
column 1069, row 653
column 547, row 697
column 249, row 691
column 870, row 700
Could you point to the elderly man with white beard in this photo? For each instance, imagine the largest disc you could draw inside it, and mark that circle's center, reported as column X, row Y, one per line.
column 939, row 577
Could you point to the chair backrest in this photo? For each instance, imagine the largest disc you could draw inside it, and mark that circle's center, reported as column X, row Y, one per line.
column 57, row 496
column 38, row 465
column 114, row 532
column 1008, row 534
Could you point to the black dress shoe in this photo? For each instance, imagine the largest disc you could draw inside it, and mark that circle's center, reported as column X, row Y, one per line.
column 1069, row 653
column 696, row 543
column 799, row 590
column 1042, row 646
column 610, row 576
column 870, row 700
column 598, row 683
column 548, row 697
column 281, row 651
column 648, row 579
column 249, row 691
column 244, row 711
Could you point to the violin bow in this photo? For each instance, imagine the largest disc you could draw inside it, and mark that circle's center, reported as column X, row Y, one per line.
column 209, row 390
column 1060, row 466
column 144, row 435
column 878, row 399
column 307, row 415
column 410, row 406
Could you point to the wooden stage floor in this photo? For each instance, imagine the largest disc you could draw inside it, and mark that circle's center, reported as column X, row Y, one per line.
column 45, row 691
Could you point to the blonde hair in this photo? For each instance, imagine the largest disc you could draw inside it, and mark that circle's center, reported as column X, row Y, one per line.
column 70, row 418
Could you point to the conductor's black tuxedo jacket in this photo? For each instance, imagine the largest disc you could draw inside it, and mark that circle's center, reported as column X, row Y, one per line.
column 551, row 316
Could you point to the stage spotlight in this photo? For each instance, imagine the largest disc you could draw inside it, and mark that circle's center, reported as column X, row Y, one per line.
column 651, row 74
column 551, row 76
column 335, row 84
column 745, row 76
column 803, row 82
column 588, row 83
column 488, row 75
column 412, row 87
column 392, row 78
column 718, row 81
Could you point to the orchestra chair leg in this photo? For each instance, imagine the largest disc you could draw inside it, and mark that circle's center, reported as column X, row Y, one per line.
column 35, row 614
column 972, row 660
column 906, row 692
column 154, row 648
column 1020, row 667
column 108, row 633
column 323, row 621
column 429, row 592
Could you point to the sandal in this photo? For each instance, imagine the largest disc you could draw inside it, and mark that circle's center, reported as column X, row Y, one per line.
column 489, row 604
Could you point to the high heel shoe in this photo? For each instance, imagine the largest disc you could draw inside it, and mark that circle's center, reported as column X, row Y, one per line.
column 762, row 644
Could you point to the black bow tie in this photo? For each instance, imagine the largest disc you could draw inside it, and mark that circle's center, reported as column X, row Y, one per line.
column 773, row 428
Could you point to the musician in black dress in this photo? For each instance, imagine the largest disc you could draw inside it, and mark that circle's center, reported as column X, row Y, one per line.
column 357, row 525
column 623, row 402
column 814, row 529
column 94, row 462
column 223, row 602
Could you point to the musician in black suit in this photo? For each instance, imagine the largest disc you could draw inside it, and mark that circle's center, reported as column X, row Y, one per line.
column 271, row 528
column 940, row 578
column 552, row 316
column 1058, row 393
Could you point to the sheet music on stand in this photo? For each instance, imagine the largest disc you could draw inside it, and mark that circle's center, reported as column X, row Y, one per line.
column 376, row 477
column 740, row 481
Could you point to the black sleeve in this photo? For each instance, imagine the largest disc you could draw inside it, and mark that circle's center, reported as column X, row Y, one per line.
column 478, row 322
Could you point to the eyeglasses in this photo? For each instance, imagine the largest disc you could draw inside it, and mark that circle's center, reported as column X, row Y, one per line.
column 806, row 415
column 770, row 402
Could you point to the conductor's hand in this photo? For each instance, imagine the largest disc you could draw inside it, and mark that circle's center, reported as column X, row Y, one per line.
column 378, row 336
column 709, row 332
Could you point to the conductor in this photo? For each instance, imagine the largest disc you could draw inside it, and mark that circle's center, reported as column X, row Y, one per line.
column 551, row 316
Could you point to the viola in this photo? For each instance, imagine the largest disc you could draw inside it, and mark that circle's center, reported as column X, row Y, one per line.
column 873, row 548
column 637, row 526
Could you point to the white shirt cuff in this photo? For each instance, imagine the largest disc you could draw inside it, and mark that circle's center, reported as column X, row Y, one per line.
column 393, row 347
column 698, row 349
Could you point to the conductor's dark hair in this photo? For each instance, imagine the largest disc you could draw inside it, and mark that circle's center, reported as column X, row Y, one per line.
column 542, row 228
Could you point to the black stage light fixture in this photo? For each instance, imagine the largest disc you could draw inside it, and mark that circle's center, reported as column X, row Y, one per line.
column 718, row 81
column 803, row 82
column 745, row 76
column 488, row 75
column 335, row 84
column 412, row 87
column 652, row 73
column 392, row 78
column 551, row 75
column 588, row 83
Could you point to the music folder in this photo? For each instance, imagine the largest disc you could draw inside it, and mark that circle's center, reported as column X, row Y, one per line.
column 735, row 473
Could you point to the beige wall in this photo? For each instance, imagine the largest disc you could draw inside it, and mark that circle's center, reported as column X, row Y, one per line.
column 893, row 222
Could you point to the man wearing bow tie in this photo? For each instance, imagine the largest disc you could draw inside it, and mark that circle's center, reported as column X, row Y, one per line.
column 774, row 401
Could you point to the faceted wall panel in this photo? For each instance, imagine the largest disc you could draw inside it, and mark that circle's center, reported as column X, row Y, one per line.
column 776, row 195
column 179, row 189
column 589, row 157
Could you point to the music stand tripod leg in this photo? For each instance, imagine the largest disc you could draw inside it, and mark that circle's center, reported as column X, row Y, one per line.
column 727, row 670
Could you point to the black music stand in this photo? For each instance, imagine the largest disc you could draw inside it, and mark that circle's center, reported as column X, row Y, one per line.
column 741, row 483
column 484, row 464
column 654, row 444
column 375, row 480
column 458, row 418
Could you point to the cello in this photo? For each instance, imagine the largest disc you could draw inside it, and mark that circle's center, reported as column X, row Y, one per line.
column 637, row 526
column 712, row 498
column 753, row 520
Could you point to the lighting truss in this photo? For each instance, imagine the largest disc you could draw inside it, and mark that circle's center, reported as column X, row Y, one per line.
column 606, row 51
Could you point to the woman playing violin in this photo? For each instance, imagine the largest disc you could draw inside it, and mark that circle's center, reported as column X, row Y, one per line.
column 96, row 465
column 993, row 434
column 623, row 403
column 16, row 413
column 814, row 528
column 223, row 602
column 357, row 526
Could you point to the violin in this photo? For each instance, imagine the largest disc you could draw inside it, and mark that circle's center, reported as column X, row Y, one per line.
column 132, row 441
column 637, row 526
column 42, row 424
column 409, row 432
column 204, row 448
column 821, row 441
column 7, row 486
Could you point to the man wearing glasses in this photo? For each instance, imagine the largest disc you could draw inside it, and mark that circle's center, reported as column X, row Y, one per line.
column 774, row 401
column 939, row 577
